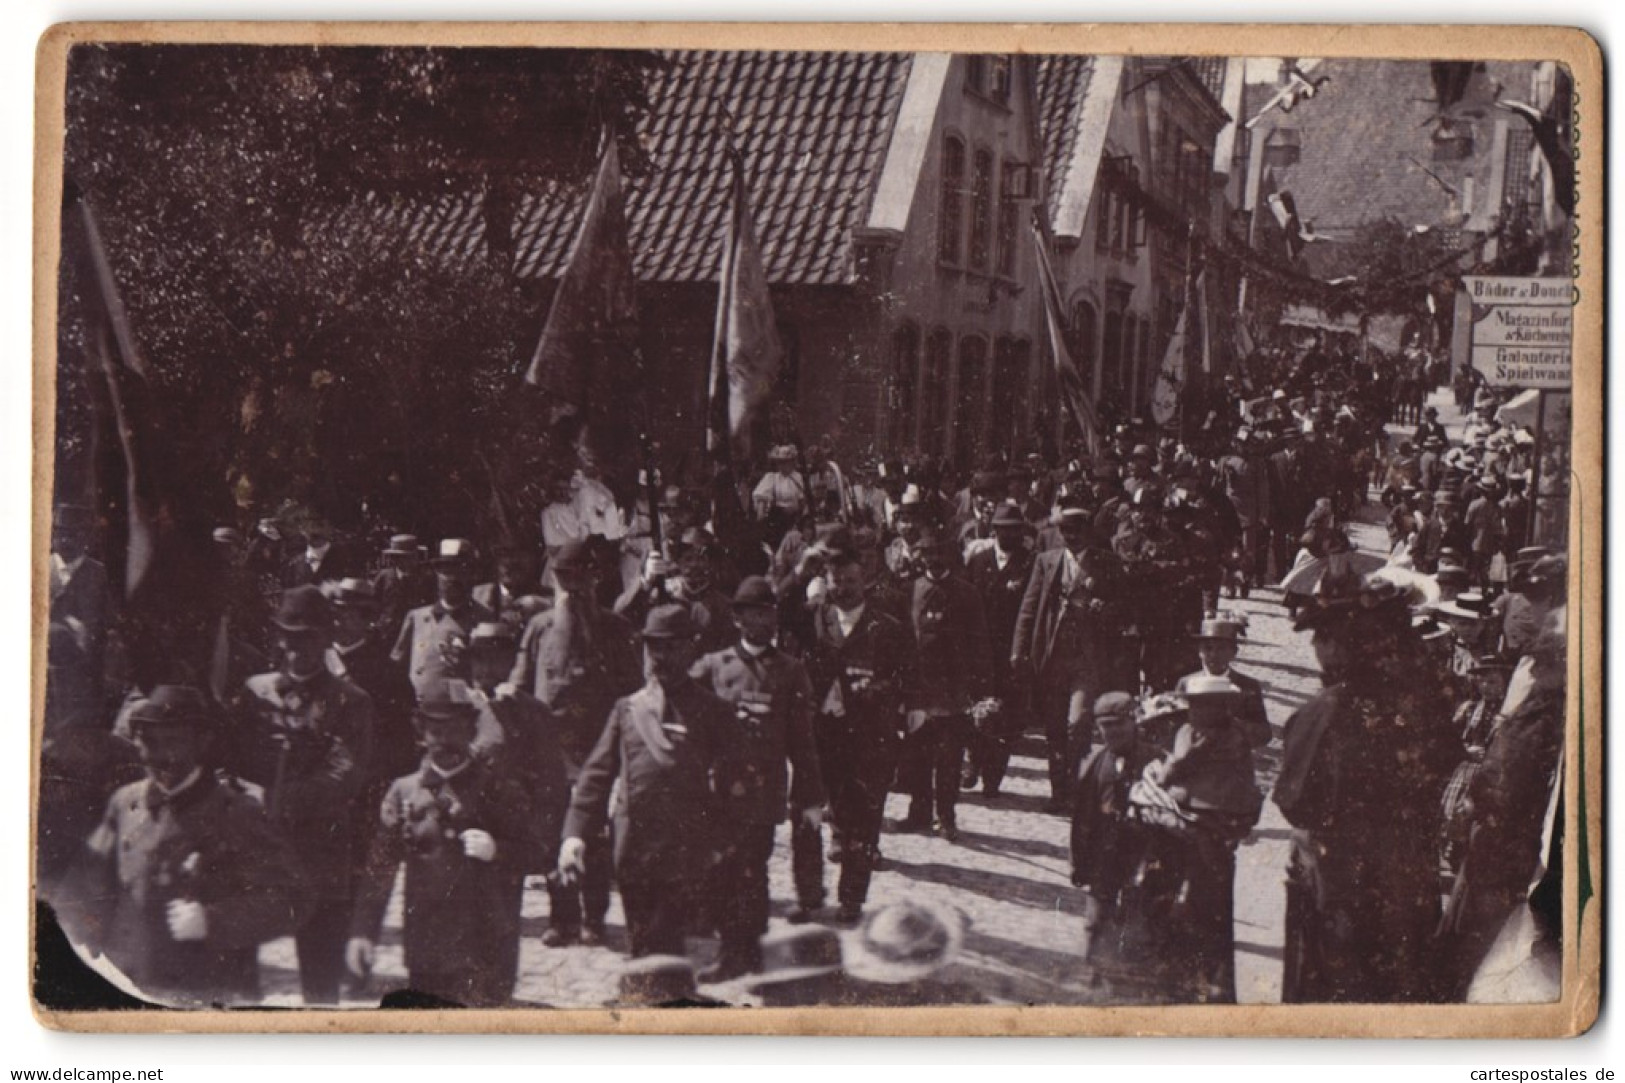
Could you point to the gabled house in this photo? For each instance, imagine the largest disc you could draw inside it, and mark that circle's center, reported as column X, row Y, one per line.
column 891, row 195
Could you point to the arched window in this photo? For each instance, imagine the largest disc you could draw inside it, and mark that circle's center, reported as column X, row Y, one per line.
column 1082, row 341
column 1009, row 213
column 981, row 222
column 934, row 392
column 950, row 209
column 972, row 405
column 903, row 387
column 1009, row 397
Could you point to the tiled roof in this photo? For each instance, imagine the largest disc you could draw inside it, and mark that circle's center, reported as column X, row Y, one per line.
column 812, row 128
column 1062, row 83
column 1367, row 146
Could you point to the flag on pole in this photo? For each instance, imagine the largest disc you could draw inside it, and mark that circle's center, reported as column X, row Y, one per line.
column 1204, row 328
column 1171, row 376
column 746, row 352
column 112, row 346
column 586, row 361
column 1073, row 392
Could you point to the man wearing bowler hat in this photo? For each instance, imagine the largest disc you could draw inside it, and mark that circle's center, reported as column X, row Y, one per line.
column 403, row 582
column 577, row 658
column 360, row 656
column 999, row 573
column 306, row 736
column 662, row 744
column 184, row 879
column 434, row 638
column 772, row 700
column 1068, row 640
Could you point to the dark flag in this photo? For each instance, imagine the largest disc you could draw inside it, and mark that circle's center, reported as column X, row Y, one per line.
column 746, row 352
column 158, row 540
column 587, row 360
column 1073, row 392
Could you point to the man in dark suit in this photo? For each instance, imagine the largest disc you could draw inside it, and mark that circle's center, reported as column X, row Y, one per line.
column 999, row 574
column 324, row 559
column 184, row 879
column 1066, row 633
column 952, row 675
column 79, row 602
column 306, row 736
column 359, row 656
column 859, row 661
column 771, row 696
column 662, row 744
column 577, row 659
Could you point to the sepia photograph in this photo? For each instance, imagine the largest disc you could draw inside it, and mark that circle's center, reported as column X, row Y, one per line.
column 597, row 528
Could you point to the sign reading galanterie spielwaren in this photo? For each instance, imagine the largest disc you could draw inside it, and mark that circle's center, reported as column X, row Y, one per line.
column 1523, row 330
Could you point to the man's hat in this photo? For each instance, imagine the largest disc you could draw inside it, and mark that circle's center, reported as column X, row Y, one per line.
column 669, row 622
column 354, row 594
column 403, row 545
column 986, row 481
column 573, row 556
column 1548, row 569
column 797, row 952
column 228, row 535
column 1451, row 575
column 656, row 980
column 1114, row 705
column 905, row 941
column 454, row 553
column 1206, row 686
column 755, row 590
column 1491, row 663
column 1220, row 628
column 171, row 705
column 1532, row 553
column 448, row 699
column 783, row 453
column 72, row 516
column 493, row 633
column 303, row 609
column 1008, row 514
column 1143, row 451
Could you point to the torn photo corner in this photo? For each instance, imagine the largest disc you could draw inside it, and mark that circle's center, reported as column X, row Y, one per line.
column 889, row 529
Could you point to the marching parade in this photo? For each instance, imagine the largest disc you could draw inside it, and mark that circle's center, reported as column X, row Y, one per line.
column 1275, row 653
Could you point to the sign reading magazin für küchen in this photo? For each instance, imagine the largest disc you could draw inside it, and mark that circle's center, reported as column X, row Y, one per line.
column 1523, row 330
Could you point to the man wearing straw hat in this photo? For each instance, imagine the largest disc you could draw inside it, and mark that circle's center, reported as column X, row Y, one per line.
column 434, row 638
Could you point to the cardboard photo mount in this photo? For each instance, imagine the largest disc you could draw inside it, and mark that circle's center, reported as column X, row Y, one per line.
column 1576, row 1010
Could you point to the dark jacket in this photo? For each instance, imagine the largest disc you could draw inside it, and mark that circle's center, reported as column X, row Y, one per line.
column 517, row 736
column 772, row 697
column 1038, row 622
column 1250, row 713
column 952, row 668
column 667, row 820
column 209, row 843
column 309, row 746
column 578, row 691
column 1099, row 801
column 461, row 914
column 369, row 667
column 863, row 674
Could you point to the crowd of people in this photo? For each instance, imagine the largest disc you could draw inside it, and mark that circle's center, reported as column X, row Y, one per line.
column 610, row 710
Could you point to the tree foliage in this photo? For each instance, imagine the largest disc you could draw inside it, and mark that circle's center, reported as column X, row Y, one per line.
column 373, row 378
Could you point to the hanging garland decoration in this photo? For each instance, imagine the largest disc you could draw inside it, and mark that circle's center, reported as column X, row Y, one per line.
column 1391, row 295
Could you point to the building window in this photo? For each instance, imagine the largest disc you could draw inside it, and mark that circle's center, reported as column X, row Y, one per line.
column 1130, row 325
column 934, row 392
column 1082, row 341
column 1104, row 216
column 1009, row 397
column 998, row 78
column 951, row 212
column 1009, row 229
column 972, row 404
column 902, row 393
column 981, row 222
column 976, row 73
column 1111, row 356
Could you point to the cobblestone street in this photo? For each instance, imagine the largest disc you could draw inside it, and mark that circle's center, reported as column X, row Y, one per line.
column 1008, row 873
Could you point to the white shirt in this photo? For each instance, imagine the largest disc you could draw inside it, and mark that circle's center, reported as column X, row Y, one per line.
column 596, row 510
column 315, row 553
column 561, row 523
column 779, row 490
column 66, row 568
column 848, row 619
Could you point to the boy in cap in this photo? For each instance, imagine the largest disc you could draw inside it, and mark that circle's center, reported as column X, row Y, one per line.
column 662, row 744
column 466, row 834
column 306, row 737
column 772, row 699
column 1100, row 799
column 433, row 638
column 185, row 878
column 576, row 659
